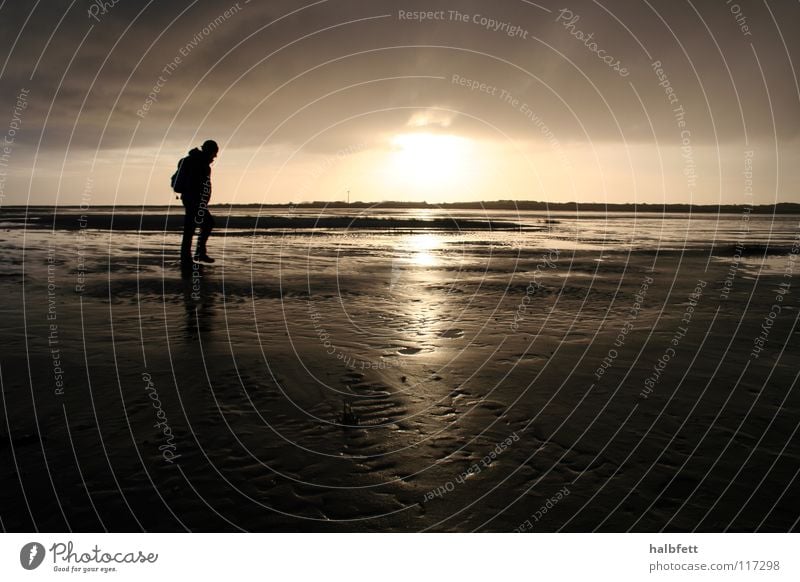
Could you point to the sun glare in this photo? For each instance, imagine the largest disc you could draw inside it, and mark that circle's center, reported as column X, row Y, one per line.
column 425, row 161
column 422, row 247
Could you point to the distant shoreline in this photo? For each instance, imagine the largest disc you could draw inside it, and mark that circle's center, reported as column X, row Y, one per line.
column 513, row 205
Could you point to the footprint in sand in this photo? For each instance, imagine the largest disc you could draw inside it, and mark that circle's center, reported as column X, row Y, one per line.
column 452, row 333
column 409, row 351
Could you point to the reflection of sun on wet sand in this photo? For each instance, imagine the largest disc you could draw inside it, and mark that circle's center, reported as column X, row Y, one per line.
column 372, row 380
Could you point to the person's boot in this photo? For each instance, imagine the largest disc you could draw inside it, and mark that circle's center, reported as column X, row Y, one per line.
column 186, row 262
column 202, row 257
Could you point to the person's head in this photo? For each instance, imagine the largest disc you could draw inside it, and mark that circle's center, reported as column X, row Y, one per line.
column 210, row 148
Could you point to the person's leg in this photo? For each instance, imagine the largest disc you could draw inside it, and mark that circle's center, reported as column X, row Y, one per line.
column 206, row 226
column 188, row 231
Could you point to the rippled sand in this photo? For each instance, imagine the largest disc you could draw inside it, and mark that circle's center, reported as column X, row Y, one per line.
column 368, row 381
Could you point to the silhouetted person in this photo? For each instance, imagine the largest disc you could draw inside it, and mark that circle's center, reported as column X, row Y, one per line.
column 193, row 182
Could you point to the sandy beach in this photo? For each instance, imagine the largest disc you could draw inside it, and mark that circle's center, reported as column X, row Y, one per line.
column 557, row 377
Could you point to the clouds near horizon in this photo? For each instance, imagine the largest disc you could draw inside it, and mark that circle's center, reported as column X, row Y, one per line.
column 284, row 86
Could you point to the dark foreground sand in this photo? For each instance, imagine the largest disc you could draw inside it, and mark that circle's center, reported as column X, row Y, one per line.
column 360, row 383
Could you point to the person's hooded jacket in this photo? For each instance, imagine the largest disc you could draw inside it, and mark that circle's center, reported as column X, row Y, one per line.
column 193, row 178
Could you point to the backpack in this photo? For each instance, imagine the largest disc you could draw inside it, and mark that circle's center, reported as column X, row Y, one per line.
column 180, row 180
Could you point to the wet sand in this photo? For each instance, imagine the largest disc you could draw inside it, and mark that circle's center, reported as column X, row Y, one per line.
column 365, row 381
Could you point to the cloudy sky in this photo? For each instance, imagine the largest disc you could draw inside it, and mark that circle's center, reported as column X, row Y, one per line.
column 616, row 101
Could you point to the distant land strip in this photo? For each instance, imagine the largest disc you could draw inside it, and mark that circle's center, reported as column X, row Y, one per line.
column 529, row 205
column 526, row 205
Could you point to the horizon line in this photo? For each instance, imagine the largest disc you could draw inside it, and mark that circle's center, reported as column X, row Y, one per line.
column 505, row 203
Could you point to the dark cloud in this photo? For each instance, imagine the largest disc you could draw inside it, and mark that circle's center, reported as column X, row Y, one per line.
column 351, row 69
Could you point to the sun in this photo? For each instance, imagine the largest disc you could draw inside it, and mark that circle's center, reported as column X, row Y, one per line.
column 428, row 161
